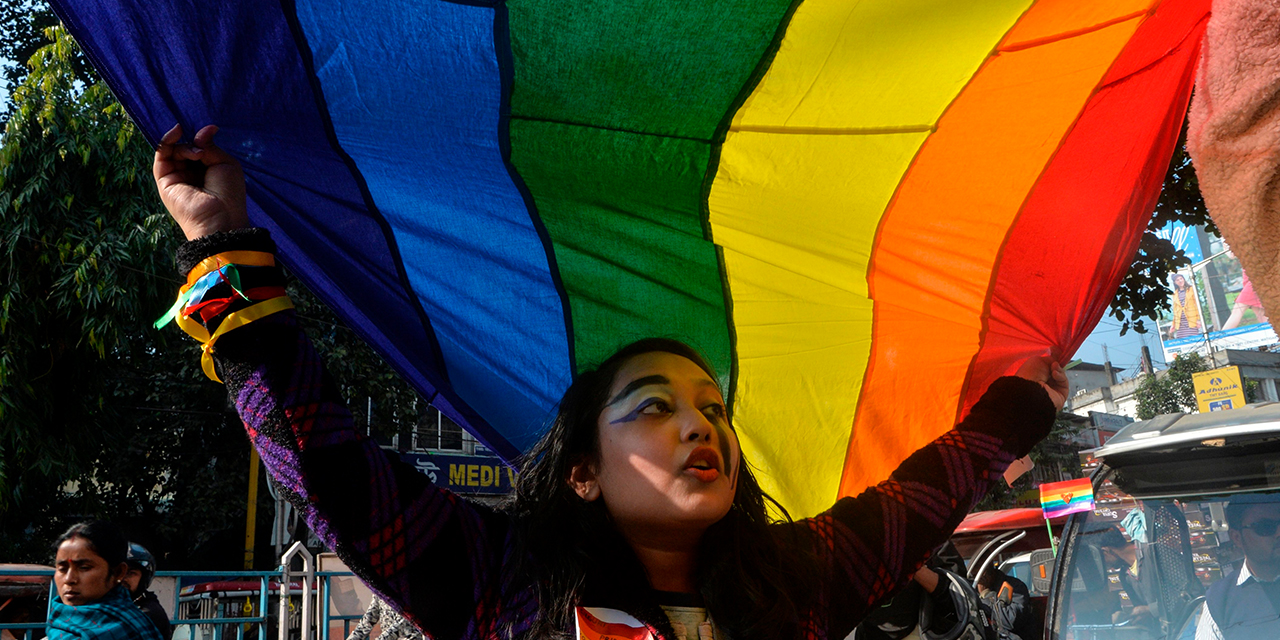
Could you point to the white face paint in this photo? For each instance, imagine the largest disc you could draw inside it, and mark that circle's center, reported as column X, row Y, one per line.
column 668, row 456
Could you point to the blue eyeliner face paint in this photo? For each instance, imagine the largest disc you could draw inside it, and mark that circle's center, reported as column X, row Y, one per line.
column 637, row 412
column 718, row 418
column 635, row 385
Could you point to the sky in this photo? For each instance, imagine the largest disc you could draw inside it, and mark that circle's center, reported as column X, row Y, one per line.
column 1125, row 351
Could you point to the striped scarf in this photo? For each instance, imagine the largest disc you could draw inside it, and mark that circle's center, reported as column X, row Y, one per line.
column 113, row 617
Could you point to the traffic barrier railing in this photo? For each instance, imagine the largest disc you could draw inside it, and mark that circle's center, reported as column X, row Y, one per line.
column 202, row 601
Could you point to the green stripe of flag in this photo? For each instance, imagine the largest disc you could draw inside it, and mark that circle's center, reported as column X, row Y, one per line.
column 615, row 148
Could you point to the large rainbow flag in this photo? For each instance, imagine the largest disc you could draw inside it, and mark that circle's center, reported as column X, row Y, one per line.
column 861, row 212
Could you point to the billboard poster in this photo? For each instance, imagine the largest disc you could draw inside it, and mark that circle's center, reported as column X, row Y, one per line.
column 1185, row 238
column 1213, row 307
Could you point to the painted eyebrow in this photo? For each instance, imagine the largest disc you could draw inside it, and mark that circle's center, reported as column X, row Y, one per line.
column 654, row 379
column 636, row 384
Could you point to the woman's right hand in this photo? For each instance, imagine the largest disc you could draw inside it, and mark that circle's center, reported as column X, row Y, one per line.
column 1047, row 371
column 200, row 184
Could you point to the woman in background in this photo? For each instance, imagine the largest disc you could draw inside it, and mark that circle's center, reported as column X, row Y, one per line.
column 1186, row 309
column 1245, row 301
column 93, row 603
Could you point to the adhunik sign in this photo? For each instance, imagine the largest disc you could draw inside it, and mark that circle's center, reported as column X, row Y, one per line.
column 1219, row 389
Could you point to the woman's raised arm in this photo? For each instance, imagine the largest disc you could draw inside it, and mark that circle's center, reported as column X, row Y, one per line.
column 433, row 555
column 869, row 546
column 201, row 185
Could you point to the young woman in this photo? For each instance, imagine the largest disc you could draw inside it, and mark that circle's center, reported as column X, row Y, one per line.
column 636, row 508
column 93, row 603
column 1186, row 309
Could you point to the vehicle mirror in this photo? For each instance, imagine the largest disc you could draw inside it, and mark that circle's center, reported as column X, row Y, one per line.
column 1041, row 561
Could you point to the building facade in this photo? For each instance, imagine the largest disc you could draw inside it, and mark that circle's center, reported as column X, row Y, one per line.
column 1262, row 367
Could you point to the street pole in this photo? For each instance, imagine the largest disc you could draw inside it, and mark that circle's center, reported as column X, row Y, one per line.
column 1204, row 322
column 251, row 519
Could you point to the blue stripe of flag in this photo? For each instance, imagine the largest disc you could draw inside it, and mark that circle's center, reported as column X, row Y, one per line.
column 238, row 63
column 414, row 93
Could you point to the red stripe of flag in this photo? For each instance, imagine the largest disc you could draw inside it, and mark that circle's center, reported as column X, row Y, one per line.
column 1081, row 224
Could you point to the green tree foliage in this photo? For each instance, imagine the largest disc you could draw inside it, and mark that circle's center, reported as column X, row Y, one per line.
column 21, row 24
column 1172, row 392
column 81, row 243
column 1144, row 291
column 103, row 415
column 1055, row 451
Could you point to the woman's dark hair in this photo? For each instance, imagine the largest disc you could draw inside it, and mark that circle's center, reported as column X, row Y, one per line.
column 753, row 586
column 104, row 538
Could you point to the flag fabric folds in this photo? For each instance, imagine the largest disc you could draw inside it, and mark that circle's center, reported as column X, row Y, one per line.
column 861, row 213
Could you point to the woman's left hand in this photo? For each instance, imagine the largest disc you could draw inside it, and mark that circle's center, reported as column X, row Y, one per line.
column 1046, row 371
column 201, row 185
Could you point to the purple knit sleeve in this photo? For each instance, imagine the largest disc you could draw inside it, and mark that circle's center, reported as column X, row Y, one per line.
column 433, row 555
column 870, row 545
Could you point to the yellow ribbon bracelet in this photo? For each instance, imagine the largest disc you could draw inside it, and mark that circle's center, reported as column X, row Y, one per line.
column 219, row 260
column 233, row 321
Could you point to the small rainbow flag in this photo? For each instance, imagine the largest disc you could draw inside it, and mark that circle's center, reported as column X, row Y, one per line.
column 1068, row 496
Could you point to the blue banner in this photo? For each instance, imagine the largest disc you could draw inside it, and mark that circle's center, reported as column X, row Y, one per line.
column 1184, row 238
column 464, row 474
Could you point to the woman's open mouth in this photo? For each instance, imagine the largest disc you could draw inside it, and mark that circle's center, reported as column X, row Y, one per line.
column 703, row 464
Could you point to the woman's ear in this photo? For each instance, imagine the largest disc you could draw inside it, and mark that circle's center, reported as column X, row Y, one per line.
column 582, row 479
column 117, row 575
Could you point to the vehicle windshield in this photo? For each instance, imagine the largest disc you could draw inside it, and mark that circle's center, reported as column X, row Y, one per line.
column 1147, row 569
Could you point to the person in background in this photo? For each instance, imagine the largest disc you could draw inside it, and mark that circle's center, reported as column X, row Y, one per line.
column 1009, row 600
column 92, row 602
column 900, row 617
column 1186, row 309
column 1247, row 300
column 393, row 626
column 1137, row 577
column 142, row 568
column 1243, row 605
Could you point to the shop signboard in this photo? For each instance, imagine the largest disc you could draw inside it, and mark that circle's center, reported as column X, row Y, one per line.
column 1219, row 389
column 463, row 474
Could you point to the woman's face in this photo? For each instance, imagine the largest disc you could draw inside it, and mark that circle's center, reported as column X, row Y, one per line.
column 82, row 576
column 1179, row 282
column 668, row 458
